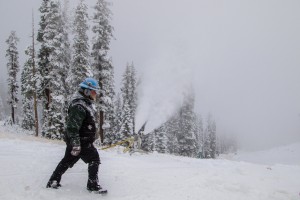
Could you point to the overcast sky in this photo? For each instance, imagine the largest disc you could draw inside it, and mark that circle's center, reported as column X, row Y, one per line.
column 242, row 58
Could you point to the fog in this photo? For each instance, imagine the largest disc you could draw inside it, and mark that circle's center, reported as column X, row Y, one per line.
column 242, row 58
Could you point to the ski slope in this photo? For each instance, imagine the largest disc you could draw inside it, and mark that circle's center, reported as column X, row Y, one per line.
column 287, row 155
column 27, row 163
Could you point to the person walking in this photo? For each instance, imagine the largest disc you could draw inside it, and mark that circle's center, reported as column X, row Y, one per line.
column 80, row 135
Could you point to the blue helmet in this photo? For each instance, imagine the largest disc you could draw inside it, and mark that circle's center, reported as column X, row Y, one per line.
column 90, row 83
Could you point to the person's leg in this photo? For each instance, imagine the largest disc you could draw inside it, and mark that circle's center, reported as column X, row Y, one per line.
column 91, row 156
column 67, row 162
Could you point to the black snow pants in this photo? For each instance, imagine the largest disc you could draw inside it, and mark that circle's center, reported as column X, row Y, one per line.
column 88, row 154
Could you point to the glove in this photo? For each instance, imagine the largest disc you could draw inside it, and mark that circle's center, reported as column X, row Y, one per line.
column 76, row 151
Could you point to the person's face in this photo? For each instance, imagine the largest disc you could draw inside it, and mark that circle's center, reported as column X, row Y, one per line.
column 93, row 95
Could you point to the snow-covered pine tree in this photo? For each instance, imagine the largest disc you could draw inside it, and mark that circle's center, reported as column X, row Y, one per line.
column 53, row 37
column 43, row 58
column 13, row 68
column 148, row 142
column 44, row 9
column 206, row 144
column 117, row 119
column 127, row 121
column 107, row 99
column 32, row 83
column 133, row 94
column 129, row 100
column 210, row 138
column 213, row 139
column 27, row 91
column 199, row 135
column 218, row 145
column 102, row 65
column 43, row 78
column 172, row 128
column 187, row 132
column 67, row 52
column 161, row 139
column 80, row 68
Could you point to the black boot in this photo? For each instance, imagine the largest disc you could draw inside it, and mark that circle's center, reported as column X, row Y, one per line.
column 93, row 185
column 53, row 184
column 54, row 181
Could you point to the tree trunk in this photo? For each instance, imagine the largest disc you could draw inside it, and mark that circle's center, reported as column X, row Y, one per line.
column 47, row 93
column 13, row 114
column 101, row 132
column 36, row 120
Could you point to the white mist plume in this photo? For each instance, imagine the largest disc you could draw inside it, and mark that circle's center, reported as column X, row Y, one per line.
column 161, row 91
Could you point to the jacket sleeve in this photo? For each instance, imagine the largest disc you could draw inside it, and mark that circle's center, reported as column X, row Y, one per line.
column 75, row 119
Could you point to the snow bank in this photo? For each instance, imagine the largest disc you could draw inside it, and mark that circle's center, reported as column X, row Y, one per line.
column 27, row 163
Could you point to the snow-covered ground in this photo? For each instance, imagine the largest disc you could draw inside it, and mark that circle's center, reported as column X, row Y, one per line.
column 289, row 155
column 27, row 163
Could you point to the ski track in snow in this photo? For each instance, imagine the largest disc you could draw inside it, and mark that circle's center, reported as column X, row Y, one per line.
column 27, row 163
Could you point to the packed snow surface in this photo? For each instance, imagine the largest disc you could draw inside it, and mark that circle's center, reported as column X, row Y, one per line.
column 27, row 163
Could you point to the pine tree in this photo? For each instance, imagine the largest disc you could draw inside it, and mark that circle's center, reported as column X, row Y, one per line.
column 213, row 139
column 129, row 101
column 133, row 94
column 53, row 37
column 148, row 142
column 102, row 65
column 206, row 144
column 187, row 133
column 67, row 52
column 127, row 121
column 107, row 100
column 27, row 91
column 80, row 68
column 34, row 80
column 172, row 128
column 43, row 56
column 117, row 118
column 199, row 136
column 161, row 140
column 103, row 32
column 210, row 138
column 13, row 68
column 44, row 9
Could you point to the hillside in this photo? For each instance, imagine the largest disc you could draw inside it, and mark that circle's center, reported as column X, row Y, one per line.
column 27, row 162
